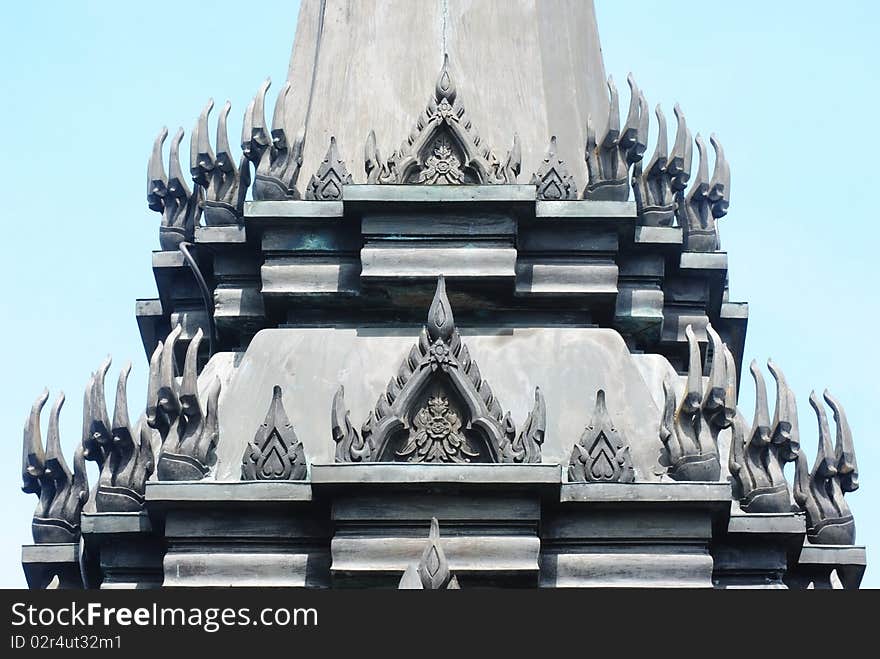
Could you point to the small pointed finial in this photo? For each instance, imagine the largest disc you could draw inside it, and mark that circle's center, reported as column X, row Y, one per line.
column 445, row 88
column 440, row 321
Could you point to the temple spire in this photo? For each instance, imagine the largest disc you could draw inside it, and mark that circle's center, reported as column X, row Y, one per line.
column 532, row 68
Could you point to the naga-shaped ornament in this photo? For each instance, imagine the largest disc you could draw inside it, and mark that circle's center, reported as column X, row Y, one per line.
column 689, row 430
column 707, row 200
column 125, row 458
column 438, row 408
column 170, row 195
column 62, row 493
column 189, row 429
column 278, row 161
column 225, row 184
column 758, row 454
column 820, row 492
column 609, row 159
column 655, row 202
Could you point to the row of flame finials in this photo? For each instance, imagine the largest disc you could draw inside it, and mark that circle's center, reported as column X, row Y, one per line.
column 444, row 148
column 439, row 409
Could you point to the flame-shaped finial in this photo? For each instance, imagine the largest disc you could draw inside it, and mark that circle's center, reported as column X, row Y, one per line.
column 177, row 186
column 201, row 155
column 440, row 321
column 153, row 385
column 633, row 139
column 121, row 421
column 279, row 136
column 844, row 452
column 167, row 398
column 157, row 181
column 189, row 391
column 682, row 153
column 224, row 153
column 612, row 134
column 694, row 395
column 719, row 187
column 825, row 465
column 445, row 88
column 716, row 393
column 701, row 183
column 91, row 450
column 730, row 395
column 784, row 415
column 661, row 151
column 33, row 458
column 254, row 137
column 258, row 118
column 761, row 422
column 667, row 423
column 433, row 566
column 55, row 466
column 100, row 426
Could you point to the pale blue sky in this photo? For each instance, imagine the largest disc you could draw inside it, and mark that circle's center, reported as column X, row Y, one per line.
column 790, row 88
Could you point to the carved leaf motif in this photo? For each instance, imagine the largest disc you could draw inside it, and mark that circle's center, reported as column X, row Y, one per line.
column 439, row 362
column 428, row 156
column 553, row 180
column 438, row 436
column 601, row 454
column 275, row 452
column 326, row 184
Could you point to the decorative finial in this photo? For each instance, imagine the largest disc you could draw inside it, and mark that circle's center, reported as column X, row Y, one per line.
column 602, row 452
column 275, row 453
column 445, row 87
column 553, row 180
column 432, row 571
column 440, row 323
column 326, row 184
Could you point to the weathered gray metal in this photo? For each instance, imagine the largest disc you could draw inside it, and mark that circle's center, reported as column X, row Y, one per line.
column 527, row 67
column 414, row 421
column 820, row 491
column 432, row 570
column 562, row 282
column 601, row 454
column 127, row 458
column 275, row 452
column 326, row 184
column 189, row 429
column 689, row 431
column 758, row 456
column 62, row 493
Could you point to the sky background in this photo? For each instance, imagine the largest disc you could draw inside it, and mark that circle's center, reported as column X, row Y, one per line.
column 789, row 87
